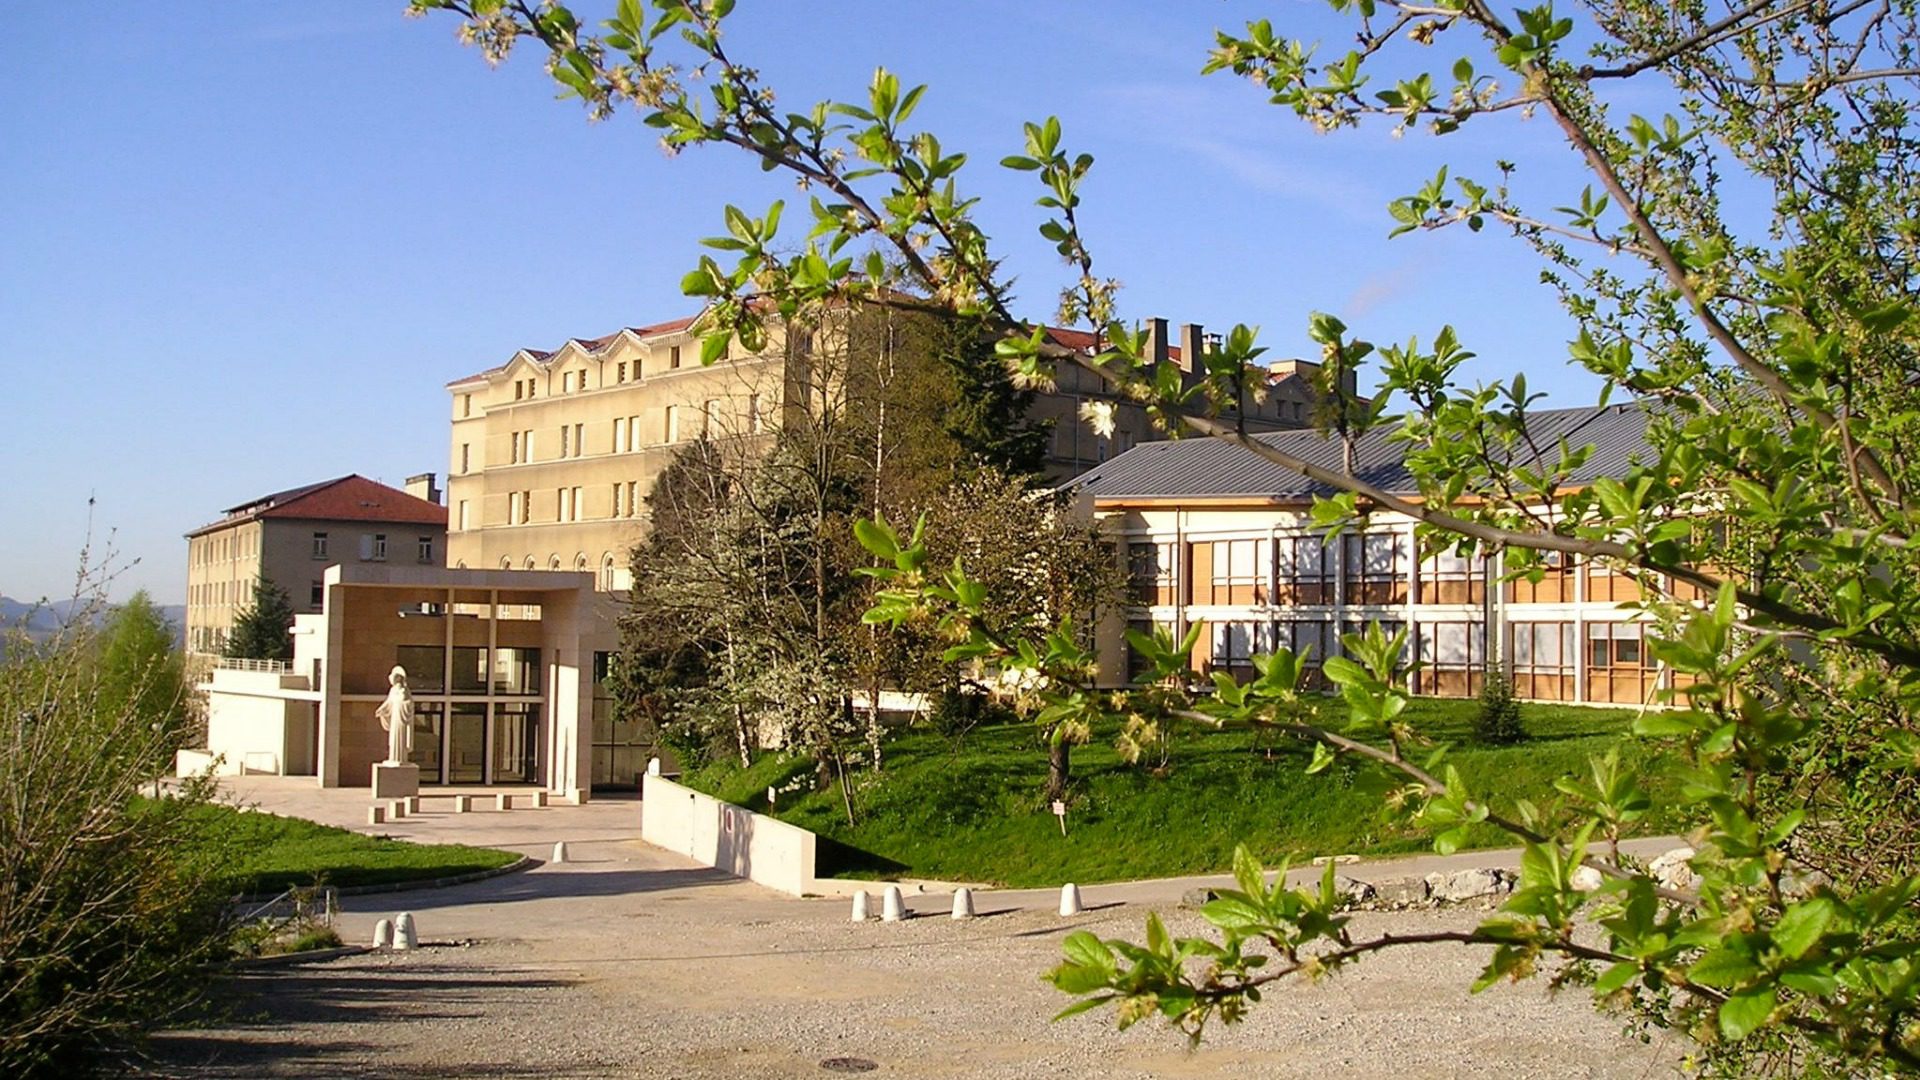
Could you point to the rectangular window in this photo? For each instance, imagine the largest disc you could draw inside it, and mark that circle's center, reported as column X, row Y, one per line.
column 619, row 434
column 1453, row 658
column 516, row 671
column 466, row 458
column 424, row 548
column 1543, row 660
column 566, row 382
column 464, row 523
column 673, row 423
column 1313, row 642
column 579, row 439
column 319, row 545
column 633, row 500
column 563, row 504
column 1150, row 573
column 1136, row 664
column 756, row 415
column 1618, row 668
column 1450, row 578
column 1606, row 586
column 633, row 434
column 1555, row 586
column 579, row 505
column 616, row 498
column 526, row 445
column 466, row 405
column 1303, row 570
column 519, row 390
column 673, row 357
column 1235, row 643
column 566, row 437
column 1236, row 572
column 425, row 666
column 379, row 547
column 710, row 418
column 1375, row 568
column 622, row 372
column 469, row 669
column 526, row 507
column 513, row 508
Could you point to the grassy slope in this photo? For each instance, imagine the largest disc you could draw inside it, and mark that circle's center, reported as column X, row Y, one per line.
column 973, row 813
column 266, row 853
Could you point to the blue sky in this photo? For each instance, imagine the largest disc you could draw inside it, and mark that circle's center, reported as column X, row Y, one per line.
column 244, row 245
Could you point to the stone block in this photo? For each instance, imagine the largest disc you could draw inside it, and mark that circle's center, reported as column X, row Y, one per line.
column 540, row 799
column 1353, row 890
column 1197, row 898
column 503, row 802
column 395, row 781
column 462, row 804
column 1402, row 892
column 396, row 809
column 1671, row 869
column 1464, row 885
column 413, row 804
column 376, row 815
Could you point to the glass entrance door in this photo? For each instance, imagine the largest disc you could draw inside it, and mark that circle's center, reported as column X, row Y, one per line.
column 515, row 737
column 429, row 723
column 467, row 745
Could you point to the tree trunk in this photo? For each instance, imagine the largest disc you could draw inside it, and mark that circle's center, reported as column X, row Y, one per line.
column 1059, row 769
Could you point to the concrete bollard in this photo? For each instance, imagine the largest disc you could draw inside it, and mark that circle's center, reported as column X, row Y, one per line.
column 559, row 851
column 1069, row 899
column 503, row 802
column 540, row 800
column 383, row 934
column 892, row 907
column 861, row 912
column 376, row 815
column 396, row 809
column 413, row 804
column 963, row 903
column 462, row 804
column 404, row 936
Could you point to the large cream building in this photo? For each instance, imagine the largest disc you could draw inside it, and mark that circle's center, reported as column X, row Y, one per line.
column 291, row 537
column 553, row 453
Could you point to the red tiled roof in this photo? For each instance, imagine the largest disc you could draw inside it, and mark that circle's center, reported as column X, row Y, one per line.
column 347, row 498
column 1082, row 339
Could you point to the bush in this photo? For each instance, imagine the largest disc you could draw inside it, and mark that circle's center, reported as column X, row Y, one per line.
column 110, row 906
column 1498, row 721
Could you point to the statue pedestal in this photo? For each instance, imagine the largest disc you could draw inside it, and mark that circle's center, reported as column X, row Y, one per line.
column 395, row 781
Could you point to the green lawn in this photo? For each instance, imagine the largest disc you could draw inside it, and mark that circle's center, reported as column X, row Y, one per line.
column 972, row 812
column 266, row 853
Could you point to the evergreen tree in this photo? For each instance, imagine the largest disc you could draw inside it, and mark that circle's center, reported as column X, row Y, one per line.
column 262, row 630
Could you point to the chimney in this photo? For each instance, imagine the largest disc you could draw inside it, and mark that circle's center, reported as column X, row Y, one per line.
column 423, row 487
column 1193, row 345
column 1156, row 352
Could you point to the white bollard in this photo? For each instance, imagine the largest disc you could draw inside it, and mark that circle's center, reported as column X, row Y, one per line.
column 404, row 936
column 376, row 815
column 383, row 934
column 892, row 907
column 963, row 903
column 413, row 804
column 1069, row 899
column 462, row 804
column 396, row 809
column 653, row 766
column 559, row 851
column 540, row 800
column 503, row 802
column 861, row 912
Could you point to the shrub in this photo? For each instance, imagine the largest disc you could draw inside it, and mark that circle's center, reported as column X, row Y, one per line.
column 1498, row 721
column 109, row 903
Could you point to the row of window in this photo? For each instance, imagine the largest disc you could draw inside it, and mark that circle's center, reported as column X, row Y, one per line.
column 373, row 547
column 1367, row 568
column 611, row 577
column 207, row 550
column 627, row 437
column 1541, row 655
column 575, row 380
column 434, row 669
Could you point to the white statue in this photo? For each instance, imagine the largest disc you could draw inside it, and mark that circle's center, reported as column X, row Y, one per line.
column 396, row 718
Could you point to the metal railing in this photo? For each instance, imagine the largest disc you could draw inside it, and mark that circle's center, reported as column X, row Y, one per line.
column 235, row 663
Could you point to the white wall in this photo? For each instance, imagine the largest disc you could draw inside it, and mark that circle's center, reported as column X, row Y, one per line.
column 726, row 837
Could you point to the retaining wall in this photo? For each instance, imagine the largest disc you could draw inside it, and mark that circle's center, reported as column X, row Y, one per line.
column 727, row 837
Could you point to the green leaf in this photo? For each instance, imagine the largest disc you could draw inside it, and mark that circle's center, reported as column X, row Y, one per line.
column 1744, row 1012
column 1801, row 926
column 1722, row 967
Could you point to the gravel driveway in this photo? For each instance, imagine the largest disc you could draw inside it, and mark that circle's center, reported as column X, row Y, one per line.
column 632, row 964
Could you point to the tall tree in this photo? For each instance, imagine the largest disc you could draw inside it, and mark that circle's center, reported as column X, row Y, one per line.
column 140, row 669
column 1745, row 266
column 263, row 630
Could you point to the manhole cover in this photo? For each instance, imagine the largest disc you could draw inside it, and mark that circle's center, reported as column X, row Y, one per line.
column 849, row 1065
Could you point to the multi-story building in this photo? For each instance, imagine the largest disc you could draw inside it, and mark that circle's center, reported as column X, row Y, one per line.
column 554, row 453
column 1216, row 537
column 291, row 537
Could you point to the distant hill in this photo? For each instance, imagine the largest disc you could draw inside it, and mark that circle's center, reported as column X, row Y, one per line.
column 42, row 621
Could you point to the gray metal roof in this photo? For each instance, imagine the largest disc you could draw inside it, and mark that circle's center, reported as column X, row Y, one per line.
column 1201, row 467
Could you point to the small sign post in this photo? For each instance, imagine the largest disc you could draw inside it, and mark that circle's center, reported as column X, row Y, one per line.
column 1060, row 811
